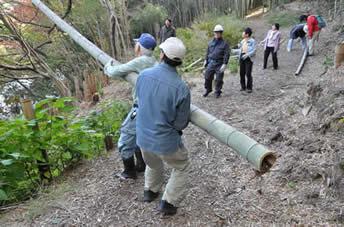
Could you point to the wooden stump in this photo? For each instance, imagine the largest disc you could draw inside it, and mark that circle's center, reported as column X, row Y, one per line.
column 339, row 55
column 108, row 143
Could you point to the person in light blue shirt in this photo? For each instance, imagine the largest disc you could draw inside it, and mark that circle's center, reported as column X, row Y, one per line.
column 163, row 113
column 127, row 141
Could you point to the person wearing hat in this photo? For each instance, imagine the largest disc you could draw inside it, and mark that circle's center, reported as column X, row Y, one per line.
column 127, row 147
column 216, row 61
column 163, row 113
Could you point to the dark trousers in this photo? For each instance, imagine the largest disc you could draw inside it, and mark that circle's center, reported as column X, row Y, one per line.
column 209, row 77
column 267, row 52
column 246, row 72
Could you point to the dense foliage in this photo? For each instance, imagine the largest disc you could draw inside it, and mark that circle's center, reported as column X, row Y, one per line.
column 56, row 130
column 149, row 19
column 197, row 37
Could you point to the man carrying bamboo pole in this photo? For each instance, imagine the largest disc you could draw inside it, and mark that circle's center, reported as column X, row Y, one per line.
column 127, row 142
column 163, row 113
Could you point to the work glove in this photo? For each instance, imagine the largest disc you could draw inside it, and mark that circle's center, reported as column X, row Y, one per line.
column 223, row 68
column 244, row 56
column 205, row 63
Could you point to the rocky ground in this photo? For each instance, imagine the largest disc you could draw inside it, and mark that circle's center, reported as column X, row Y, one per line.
column 297, row 117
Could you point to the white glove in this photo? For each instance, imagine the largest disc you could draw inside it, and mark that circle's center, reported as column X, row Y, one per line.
column 223, row 68
column 205, row 63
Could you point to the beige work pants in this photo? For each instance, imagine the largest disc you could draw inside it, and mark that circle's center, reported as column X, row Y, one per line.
column 311, row 42
column 154, row 176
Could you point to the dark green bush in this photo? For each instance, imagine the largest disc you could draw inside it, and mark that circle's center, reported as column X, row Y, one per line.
column 147, row 18
column 197, row 37
column 65, row 138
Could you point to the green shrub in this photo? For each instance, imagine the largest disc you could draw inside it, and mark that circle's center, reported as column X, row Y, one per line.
column 233, row 27
column 233, row 65
column 328, row 62
column 65, row 138
column 285, row 19
column 196, row 43
column 146, row 19
column 197, row 37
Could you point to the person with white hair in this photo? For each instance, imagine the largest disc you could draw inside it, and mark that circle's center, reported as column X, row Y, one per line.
column 144, row 47
column 163, row 113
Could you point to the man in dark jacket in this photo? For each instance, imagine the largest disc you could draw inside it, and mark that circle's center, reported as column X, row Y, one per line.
column 295, row 33
column 216, row 62
column 167, row 31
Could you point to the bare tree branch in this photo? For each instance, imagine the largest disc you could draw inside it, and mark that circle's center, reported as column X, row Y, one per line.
column 68, row 10
column 28, row 22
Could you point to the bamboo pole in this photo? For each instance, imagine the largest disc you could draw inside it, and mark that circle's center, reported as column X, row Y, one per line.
column 302, row 63
column 339, row 55
column 259, row 156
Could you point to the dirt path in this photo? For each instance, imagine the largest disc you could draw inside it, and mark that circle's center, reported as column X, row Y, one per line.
column 223, row 188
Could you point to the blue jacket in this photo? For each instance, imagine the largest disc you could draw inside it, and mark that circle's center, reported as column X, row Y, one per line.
column 164, row 109
column 218, row 52
column 252, row 48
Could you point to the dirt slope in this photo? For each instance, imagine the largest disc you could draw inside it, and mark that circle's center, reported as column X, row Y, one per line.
column 305, row 186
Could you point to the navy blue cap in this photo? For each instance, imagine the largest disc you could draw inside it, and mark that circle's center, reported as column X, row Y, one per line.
column 147, row 41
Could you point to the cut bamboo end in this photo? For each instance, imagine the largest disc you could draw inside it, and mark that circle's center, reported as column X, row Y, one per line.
column 267, row 162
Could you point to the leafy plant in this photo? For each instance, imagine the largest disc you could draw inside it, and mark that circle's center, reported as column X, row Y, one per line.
column 197, row 37
column 328, row 62
column 147, row 18
column 56, row 130
column 233, row 65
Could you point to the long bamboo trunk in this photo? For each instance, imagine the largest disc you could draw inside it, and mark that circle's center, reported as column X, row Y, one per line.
column 259, row 156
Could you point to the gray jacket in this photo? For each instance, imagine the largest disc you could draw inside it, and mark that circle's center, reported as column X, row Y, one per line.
column 167, row 32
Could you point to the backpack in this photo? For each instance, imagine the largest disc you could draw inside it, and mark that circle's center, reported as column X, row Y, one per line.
column 321, row 21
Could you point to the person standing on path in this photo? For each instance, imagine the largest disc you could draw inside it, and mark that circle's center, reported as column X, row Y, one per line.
column 247, row 52
column 271, row 45
column 127, row 141
column 216, row 61
column 297, row 32
column 167, row 31
column 164, row 111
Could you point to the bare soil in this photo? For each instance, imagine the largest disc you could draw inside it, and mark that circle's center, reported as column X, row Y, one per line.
column 306, row 185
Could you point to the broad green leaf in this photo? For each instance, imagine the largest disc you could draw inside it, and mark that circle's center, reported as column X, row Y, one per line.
column 3, row 195
column 6, row 162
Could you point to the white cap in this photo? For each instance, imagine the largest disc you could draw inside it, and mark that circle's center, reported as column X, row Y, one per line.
column 218, row 28
column 305, row 29
column 174, row 49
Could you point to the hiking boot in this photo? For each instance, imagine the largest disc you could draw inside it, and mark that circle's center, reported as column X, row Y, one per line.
column 149, row 196
column 206, row 93
column 242, row 89
column 249, row 91
column 166, row 208
column 217, row 95
column 129, row 171
column 140, row 163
